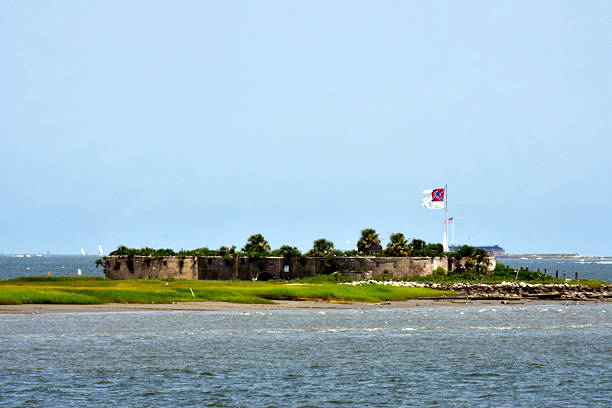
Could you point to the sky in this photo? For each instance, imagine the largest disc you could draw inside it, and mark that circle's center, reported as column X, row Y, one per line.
column 198, row 123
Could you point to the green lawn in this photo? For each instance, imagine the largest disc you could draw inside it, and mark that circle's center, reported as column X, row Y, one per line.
column 85, row 290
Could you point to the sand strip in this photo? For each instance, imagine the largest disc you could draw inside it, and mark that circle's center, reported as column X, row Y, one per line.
column 282, row 305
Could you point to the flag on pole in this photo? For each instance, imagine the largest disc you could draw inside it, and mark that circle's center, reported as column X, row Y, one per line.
column 433, row 199
column 449, row 220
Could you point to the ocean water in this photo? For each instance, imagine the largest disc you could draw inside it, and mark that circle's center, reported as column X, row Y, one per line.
column 587, row 268
column 506, row 356
column 12, row 266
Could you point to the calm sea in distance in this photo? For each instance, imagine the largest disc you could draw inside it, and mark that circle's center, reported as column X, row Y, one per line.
column 12, row 266
column 464, row 356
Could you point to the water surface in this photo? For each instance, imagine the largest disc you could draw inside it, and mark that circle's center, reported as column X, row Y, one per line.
column 545, row 356
column 12, row 266
column 587, row 268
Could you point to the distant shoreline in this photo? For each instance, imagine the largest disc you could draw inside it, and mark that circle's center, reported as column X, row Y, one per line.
column 285, row 305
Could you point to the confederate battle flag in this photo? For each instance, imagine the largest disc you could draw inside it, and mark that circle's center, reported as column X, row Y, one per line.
column 433, row 199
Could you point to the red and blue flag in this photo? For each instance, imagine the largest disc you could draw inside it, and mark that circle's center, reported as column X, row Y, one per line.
column 437, row 194
column 434, row 199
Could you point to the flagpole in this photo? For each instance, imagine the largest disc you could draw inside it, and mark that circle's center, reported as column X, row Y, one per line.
column 446, row 212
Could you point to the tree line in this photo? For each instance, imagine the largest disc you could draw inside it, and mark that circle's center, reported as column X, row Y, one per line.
column 368, row 245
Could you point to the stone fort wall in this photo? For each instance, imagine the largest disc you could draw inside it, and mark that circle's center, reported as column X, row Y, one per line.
column 244, row 268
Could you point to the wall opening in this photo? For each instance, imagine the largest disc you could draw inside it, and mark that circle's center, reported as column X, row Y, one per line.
column 264, row 276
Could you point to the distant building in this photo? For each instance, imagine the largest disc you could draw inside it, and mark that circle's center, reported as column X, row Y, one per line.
column 494, row 250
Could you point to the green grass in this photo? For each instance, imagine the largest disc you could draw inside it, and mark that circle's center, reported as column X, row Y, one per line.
column 92, row 290
column 84, row 290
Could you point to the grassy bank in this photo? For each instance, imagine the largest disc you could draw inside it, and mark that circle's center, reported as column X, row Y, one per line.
column 87, row 290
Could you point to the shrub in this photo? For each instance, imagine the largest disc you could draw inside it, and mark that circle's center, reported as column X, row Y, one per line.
column 476, row 259
column 100, row 262
column 421, row 248
column 287, row 251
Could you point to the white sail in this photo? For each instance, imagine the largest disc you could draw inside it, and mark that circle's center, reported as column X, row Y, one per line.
column 100, row 252
column 83, row 252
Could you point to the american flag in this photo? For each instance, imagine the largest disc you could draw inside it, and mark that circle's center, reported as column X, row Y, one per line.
column 449, row 220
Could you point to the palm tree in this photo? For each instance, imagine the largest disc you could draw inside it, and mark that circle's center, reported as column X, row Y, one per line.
column 398, row 245
column 321, row 247
column 369, row 242
column 256, row 244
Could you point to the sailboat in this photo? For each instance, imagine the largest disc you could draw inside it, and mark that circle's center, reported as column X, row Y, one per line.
column 100, row 252
column 83, row 252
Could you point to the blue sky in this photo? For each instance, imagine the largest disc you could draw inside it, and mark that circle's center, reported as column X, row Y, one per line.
column 191, row 123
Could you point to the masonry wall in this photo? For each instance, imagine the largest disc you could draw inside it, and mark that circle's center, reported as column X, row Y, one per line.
column 145, row 267
column 220, row 268
column 395, row 266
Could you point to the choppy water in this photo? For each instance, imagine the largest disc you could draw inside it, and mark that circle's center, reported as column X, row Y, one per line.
column 544, row 356
column 588, row 268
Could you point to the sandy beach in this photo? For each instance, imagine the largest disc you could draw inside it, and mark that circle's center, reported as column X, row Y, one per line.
column 282, row 305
